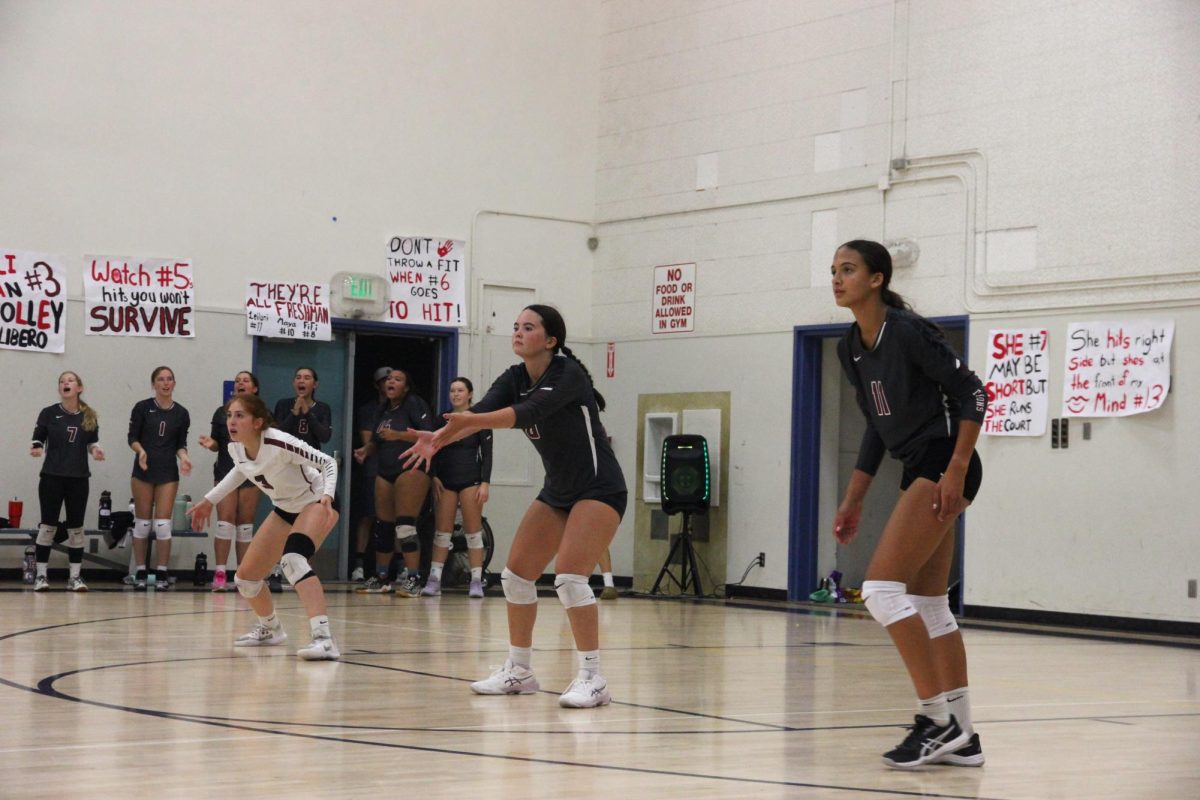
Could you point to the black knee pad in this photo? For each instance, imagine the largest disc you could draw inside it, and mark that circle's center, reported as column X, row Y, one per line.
column 383, row 536
column 410, row 545
column 300, row 543
column 406, row 521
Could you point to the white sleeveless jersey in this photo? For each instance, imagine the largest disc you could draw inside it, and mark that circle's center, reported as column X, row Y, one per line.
column 287, row 470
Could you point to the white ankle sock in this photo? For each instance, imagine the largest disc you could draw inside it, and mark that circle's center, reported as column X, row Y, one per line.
column 935, row 708
column 589, row 663
column 959, row 703
column 521, row 656
column 319, row 626
column 608, row 580
column 476, row 573
column 271, row 621
column 435, row 570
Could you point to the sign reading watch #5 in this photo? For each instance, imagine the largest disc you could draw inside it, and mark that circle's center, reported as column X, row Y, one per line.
column 674, row 300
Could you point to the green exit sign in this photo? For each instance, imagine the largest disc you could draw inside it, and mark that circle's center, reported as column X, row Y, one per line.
column 360, row 287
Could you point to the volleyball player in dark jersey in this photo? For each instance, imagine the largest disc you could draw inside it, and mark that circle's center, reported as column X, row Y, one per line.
column 66, row 433
column 158, row 429
column 399, row 491
column 363, row 503
column 235, row 512
column 924, row 406
column 304, row 416
column 462, row 474
column 550, row 396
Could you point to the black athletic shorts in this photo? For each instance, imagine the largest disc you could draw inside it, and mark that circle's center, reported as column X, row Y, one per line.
column 158, row 474
column 290, row 518
column 616, row 501
column 932, row 464
column 458, row 487
column 391, row 475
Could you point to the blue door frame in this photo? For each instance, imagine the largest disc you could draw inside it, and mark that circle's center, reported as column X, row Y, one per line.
column 804, row 507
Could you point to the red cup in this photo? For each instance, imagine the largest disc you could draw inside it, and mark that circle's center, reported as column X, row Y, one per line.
column 14, row 513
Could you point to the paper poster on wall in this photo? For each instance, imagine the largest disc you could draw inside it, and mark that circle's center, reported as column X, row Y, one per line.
column 33, row 302
column 428, row 281
column 674, row 305
column 1114, row 369
column 1017, row 382
column 288, row 310
column 127, row 296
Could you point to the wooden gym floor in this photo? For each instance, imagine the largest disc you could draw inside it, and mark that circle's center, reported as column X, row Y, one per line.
column 118, row 694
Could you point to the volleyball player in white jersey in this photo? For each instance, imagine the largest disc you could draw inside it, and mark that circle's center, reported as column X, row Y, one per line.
column 925, row 406
column 300, row 481
column 550, row 396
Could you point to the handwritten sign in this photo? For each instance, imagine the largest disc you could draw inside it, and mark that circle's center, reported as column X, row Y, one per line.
column 1017, row 382
column 33, row 302
column 138, row 297
column 1114, row 369
column 288, row 310
column 674, row 301
column 427, row 280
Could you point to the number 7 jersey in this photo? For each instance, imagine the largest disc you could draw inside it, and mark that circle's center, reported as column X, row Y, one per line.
column 287, row 470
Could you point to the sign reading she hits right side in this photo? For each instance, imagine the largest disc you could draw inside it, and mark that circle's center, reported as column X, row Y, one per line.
column 1114, row 369
column 674, row 301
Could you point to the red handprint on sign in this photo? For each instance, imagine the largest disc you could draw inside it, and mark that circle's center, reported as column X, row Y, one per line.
column 445, row 247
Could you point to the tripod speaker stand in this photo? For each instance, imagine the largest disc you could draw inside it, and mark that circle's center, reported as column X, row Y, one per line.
column 689, row 572
column 685, row 490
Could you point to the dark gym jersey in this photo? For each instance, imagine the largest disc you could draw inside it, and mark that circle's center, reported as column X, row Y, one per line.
column 466, row 461
column 911, row 386
column 65, row 441
column 559, row 415
column 161, row 431
column 413, row 412
column 314, row 428
column 368, row 415
column 220, row 434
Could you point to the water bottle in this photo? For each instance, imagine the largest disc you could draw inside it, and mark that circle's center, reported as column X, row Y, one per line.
column 151, row 579
column 30, row 564
column 179, row 517
column 105, row 523
column 200, row 574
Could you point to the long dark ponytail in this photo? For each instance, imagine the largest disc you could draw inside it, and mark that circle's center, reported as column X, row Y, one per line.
column 553, row 324
column 879, row 261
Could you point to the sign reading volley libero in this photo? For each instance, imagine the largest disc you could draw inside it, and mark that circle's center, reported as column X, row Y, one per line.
column 33, row 302
column 288, row 310
column 1114, row 369
column 127, row 296
column 674, row 299
column 427, row 281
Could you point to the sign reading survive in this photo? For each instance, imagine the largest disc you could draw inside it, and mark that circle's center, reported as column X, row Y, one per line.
column 288, row 310
column 1114, row 369
column 1017, row 383
column 428, row 279
column 135, row 297
column 33, row 302
column 674, row 301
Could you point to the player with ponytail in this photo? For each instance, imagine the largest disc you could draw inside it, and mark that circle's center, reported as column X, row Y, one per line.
column 550, row 397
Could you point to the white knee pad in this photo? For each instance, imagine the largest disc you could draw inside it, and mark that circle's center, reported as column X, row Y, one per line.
column 224, row 531
column 45, row 535
column 517, row 590
column 475, row 540
column 141, row 529
column 573, row 591
column 295, row 568
column 247, row 588
column 935, row 613
column 162, row 529
column 887, row 601
column 441, row 539
column 75, row 538
column 406, row 538
column 245, row 532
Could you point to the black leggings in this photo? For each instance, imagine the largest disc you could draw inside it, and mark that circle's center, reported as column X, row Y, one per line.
column 54, row 490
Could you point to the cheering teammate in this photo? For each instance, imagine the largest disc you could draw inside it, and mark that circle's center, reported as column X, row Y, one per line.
column 461, row 474
column 550, row 396
column 300, row 481
column 923, row 405
column 66, row 432
column 399, row 490
column 158, row 429
column 235, row 514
